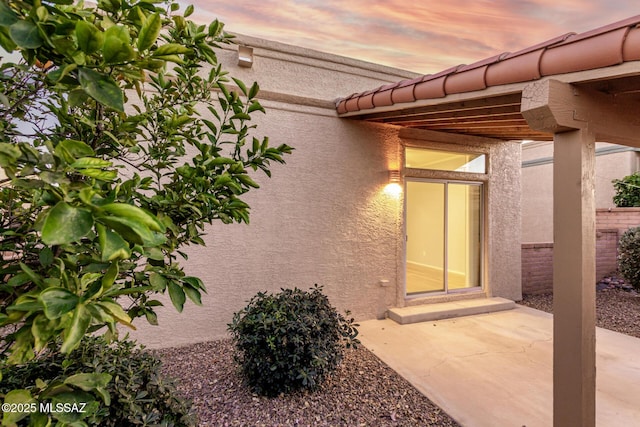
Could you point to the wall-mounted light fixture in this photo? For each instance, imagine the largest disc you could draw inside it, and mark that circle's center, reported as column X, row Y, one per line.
column 393, row 188
column 245, row 56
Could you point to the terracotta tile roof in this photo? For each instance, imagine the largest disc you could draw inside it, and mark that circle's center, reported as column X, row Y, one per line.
column 602, row 47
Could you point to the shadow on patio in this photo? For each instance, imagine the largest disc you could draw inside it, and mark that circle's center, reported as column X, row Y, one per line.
column 496, row 369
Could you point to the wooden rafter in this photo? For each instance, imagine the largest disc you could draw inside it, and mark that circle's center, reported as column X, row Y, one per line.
column 503, row 115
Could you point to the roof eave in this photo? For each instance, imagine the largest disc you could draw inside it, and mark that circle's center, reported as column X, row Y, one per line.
column 626, row 69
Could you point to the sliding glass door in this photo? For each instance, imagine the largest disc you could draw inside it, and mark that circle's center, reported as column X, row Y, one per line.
column 444, row 236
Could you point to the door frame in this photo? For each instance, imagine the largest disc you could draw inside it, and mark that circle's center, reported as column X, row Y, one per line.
column 481, row 273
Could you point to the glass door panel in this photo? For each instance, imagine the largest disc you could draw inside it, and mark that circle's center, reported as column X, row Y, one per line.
column 425, row 224
column 444, row 236
column 463, row 236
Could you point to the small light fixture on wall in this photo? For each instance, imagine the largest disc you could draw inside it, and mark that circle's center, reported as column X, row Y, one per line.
column 245, row 56
column 393, row 188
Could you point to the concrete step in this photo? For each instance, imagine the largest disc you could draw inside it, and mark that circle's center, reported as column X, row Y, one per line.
column 447, row 310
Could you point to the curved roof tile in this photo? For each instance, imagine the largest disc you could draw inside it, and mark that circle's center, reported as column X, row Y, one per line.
column 602, row 47
column 631, row 48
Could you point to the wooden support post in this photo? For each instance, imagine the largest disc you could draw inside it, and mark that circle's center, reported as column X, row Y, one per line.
column 576, row 117
column 574, row 341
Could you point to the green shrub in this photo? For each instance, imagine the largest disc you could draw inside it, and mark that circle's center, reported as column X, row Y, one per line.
column 627, row 191
column 629, row 256
column 140, row 395
column 290, row 340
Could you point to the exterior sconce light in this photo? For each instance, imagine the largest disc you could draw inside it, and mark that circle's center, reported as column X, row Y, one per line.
column 245, row 56
column 393, row 188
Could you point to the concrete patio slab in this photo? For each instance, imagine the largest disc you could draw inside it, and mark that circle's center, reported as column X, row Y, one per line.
column 496, row 369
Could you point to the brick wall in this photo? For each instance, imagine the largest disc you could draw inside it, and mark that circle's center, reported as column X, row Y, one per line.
column 537, row 258
column 537, row 268
column 618, row 218
column 606, row 251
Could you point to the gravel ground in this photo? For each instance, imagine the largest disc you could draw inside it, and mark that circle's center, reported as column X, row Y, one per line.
column 362, row 392
column 616, row 309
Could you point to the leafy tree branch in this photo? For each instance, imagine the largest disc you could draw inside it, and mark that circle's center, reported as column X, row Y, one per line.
column 122, row 138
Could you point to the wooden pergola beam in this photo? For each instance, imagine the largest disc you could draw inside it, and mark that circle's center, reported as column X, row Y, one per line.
column 555, row 107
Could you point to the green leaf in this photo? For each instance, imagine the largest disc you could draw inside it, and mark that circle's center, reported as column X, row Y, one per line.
column 58, row 74
column 255, row 88
column 21, row 398
column 171, row 49
column 151, row 317
column 112, row 245
column 188, row 11
column 6, row 42
column 91, row 162
column 131, row 231
column 135, row 213
column 193, row 294
column 65, row 224
column 246, row 180
column 57, row 302
column 100, row 314
column 22, row 348
column 255, row 106
column 77, row 329
column 25, row 34
column 35, row 277
column 111, row 275
column 149, row 32
column 100, row 174
column 215, row 28
column 19, row 279
column 74, row 400
column 88, row 381
column 46, row 257
column 87, row 279
column 177, row 295
column 102, row 88
column 117, row 48
column 241, row 85
column 42, row 13
column 70, row 149
column 155, row 254
column 77, row 97
column 195, row 283
column 90, row 38
column 117, row 312
column 158, row 281
column 7, row 15
column 43, row 329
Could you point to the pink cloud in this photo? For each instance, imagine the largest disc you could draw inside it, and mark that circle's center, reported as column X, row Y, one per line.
column 419, row 36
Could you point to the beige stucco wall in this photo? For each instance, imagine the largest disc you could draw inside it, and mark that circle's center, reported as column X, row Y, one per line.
column 504, row 220
column 324, row 217
column 612, row 162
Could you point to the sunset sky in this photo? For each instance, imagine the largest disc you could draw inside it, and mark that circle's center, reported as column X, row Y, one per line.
column 423, row 36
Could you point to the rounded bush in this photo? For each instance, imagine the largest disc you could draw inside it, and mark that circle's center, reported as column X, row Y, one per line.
column 140, row 394
column 291, row 340
column 629, row 256
column 627, row 191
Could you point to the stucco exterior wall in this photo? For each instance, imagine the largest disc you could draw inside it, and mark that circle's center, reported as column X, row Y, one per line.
column 612, row 162
column 323, row 217
column 504, row 211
